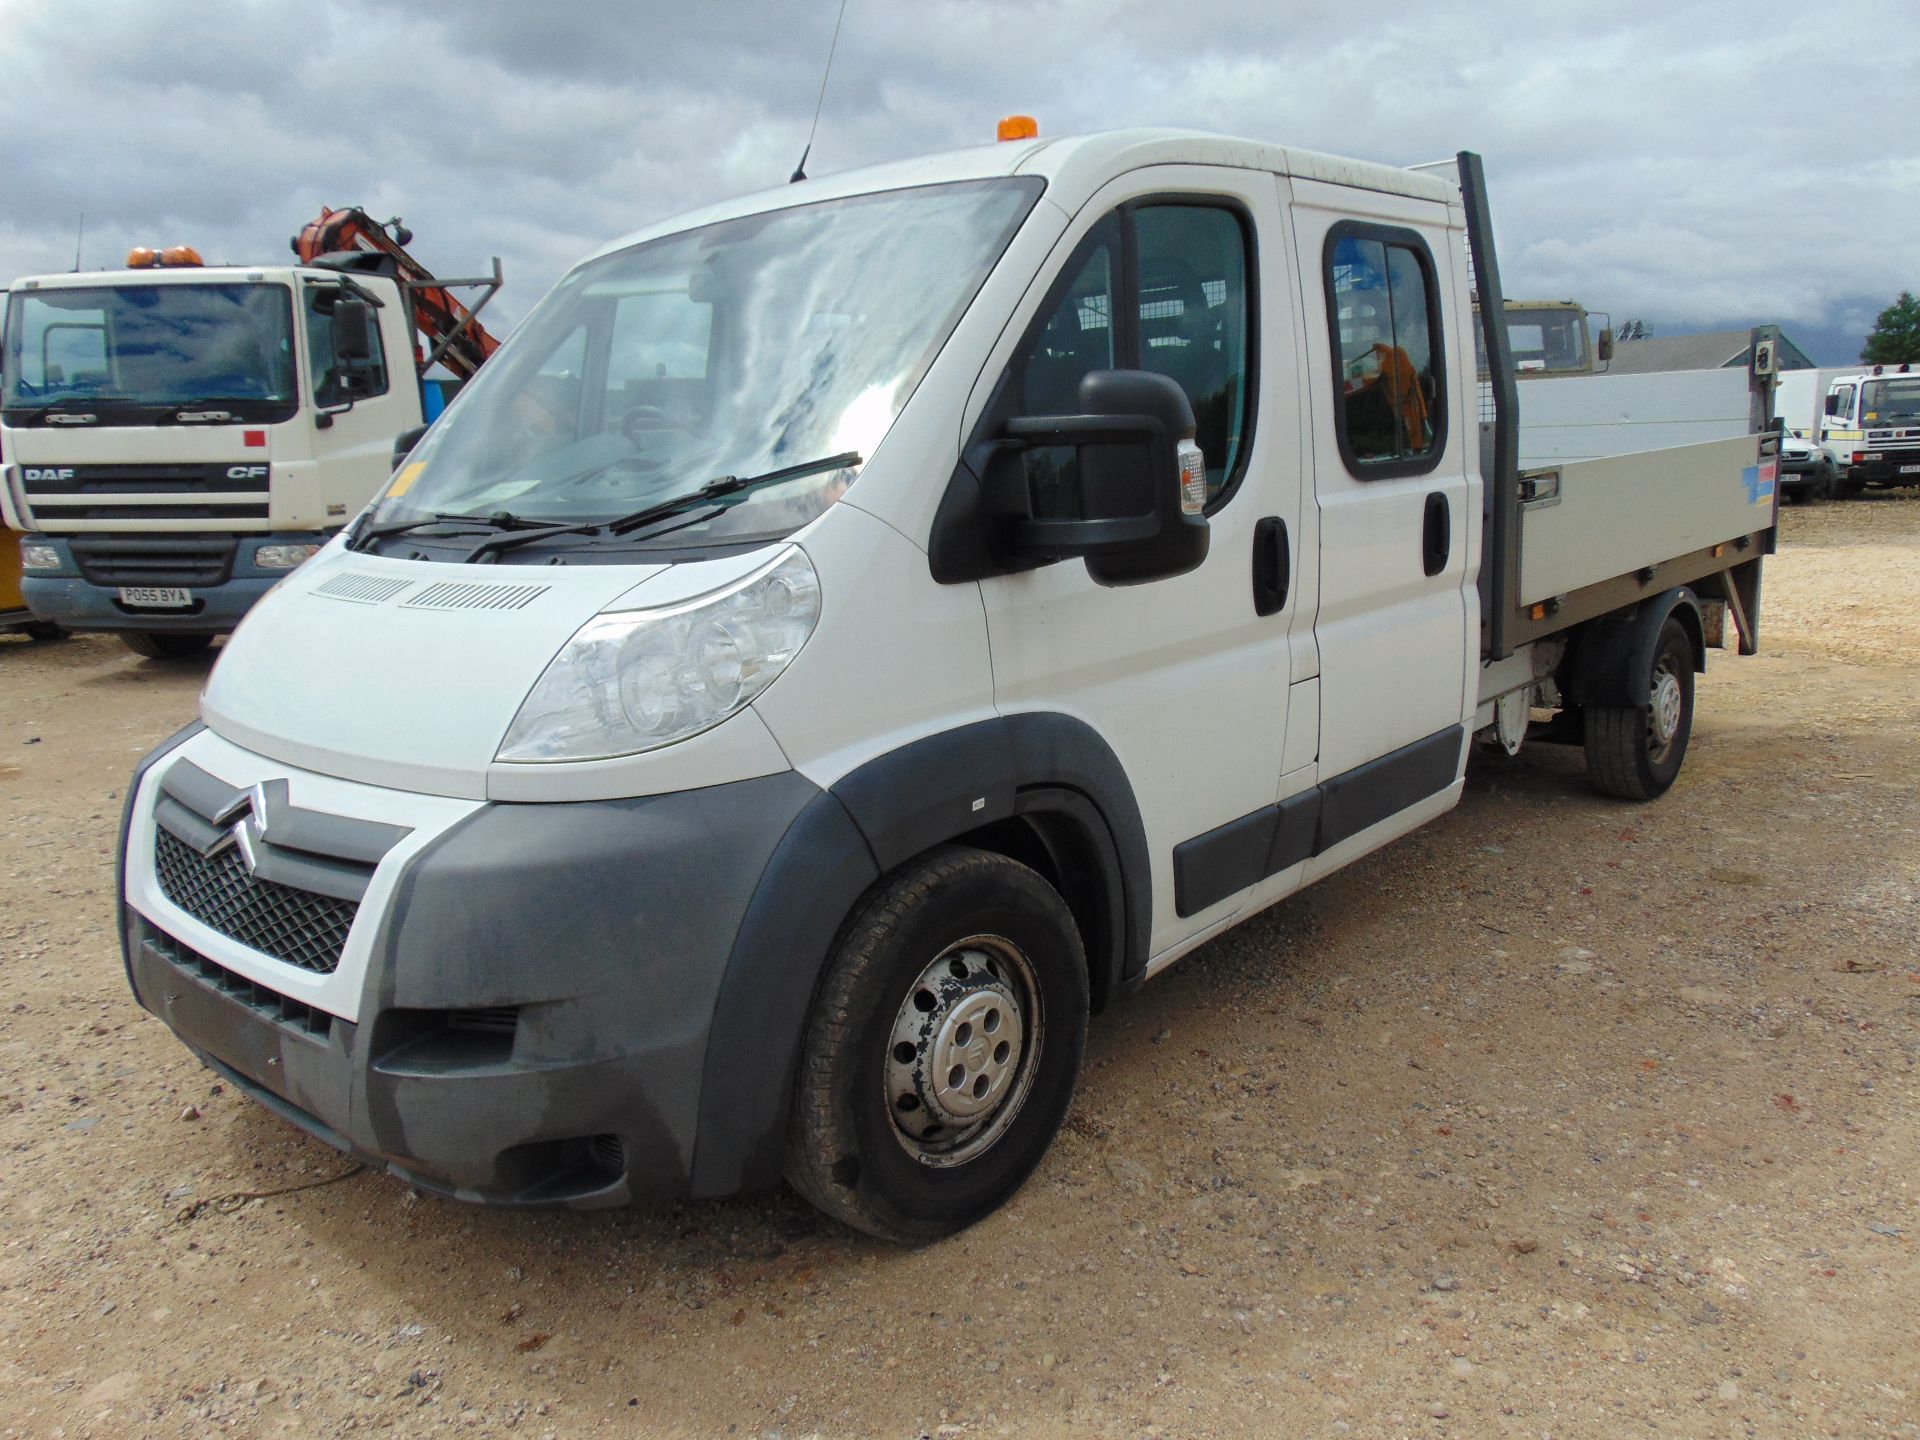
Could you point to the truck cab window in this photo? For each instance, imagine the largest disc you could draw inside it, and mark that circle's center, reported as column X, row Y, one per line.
column 1193, row 320
column 1185, row 293
column 332, row 383
column 1075, row 338
column 1383, row 307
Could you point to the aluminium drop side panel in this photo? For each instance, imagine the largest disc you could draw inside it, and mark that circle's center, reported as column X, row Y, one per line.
column 1589, row 416
column 1622, row 513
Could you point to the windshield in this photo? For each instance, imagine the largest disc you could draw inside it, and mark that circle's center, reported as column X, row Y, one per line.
column 149, row 345
column 1549, row 340
column 1890, row 402
column 744, row 347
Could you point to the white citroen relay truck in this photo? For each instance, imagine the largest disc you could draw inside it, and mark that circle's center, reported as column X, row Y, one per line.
column 850, row 633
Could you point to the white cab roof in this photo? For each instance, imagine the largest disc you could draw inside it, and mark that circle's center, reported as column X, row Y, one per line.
column 1074, row 167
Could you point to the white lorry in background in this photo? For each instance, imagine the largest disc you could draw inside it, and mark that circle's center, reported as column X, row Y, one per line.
column 1863, row 419
column 178, row 436
column 932, row 600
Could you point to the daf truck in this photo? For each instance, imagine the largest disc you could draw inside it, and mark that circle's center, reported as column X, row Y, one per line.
column 854, row 633
column 179, row 437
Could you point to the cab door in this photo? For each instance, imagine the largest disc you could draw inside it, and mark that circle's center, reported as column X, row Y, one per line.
column 1397, row 503
column 1179, row 270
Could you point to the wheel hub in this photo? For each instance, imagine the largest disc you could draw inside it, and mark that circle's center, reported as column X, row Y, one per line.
column 1666, row 706
column 957, row 1057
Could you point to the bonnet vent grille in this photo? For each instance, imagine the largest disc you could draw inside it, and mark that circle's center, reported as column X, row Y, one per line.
column 362, row 589
column 468, row 595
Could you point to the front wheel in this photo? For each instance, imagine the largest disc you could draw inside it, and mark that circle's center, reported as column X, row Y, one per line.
column 1635, row 751
column 165, row 644
column 943, row 1046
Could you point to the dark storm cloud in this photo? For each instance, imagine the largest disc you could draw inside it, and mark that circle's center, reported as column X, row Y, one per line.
column 1688, row 162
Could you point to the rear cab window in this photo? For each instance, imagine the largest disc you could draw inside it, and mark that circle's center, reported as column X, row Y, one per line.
column 1383, row 304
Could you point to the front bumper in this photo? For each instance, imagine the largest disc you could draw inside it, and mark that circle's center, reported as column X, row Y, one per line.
column 522, row 1009
column 68, row 598
column 1894, row 467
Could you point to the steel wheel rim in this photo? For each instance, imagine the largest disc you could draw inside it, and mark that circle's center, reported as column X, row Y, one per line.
column 1666, row 704
column 963, row 1051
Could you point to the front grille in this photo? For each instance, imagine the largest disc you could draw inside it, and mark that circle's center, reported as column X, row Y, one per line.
column 135, row 480
column 296, row 926
column 269, row 1004
column 183, row 560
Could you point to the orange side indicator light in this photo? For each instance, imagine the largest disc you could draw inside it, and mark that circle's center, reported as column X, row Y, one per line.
column 1019, row 127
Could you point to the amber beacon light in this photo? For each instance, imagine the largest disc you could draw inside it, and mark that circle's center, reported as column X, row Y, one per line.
column 1019, row 127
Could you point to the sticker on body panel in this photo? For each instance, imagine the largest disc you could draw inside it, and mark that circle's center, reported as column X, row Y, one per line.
column 1759, row 480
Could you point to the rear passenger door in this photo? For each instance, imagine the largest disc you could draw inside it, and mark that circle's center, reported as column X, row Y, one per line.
column 1397, row 625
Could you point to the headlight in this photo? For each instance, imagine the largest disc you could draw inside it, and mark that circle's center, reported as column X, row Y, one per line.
column 38, row 557
column 634, row 680
column 284, row 557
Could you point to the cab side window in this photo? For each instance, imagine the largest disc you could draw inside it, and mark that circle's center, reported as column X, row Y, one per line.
column 1193, row 320
column 1384, row 310
column 332, row 385
column 1158, row 286
column 1841, row 403
column 1073, row 338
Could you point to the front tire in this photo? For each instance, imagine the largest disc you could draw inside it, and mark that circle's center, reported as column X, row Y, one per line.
column 943, row 1046
column 165, row 644
column 1635, row 752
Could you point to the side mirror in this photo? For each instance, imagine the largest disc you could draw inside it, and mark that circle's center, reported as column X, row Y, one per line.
column 352, row 332
column 1140, row 486
column 1603, row 347
column 1833, row 404
column 404, row 442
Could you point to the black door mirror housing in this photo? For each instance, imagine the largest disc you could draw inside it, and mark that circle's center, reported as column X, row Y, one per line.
column 1139, row 516
column 1833, row 404
column 404, row 442
column 352, row 332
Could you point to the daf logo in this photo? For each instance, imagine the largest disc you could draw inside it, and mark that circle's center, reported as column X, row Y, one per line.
column 64, row 472
column 246, row 472
column 246, row 818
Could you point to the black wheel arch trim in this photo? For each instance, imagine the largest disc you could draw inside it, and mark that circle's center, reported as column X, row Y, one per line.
column 1611, row 657
column 1052, row 771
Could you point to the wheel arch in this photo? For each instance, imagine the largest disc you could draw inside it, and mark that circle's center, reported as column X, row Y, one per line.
column 1038, row 787
column 1611, row 655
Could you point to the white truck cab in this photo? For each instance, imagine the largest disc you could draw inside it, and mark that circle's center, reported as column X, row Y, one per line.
column 1870, row 423
column 851, row 633
column 179, row 437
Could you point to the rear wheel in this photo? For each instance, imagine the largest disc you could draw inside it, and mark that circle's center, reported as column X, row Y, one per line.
column 1635, row 751
column 165, row 644
column 942, row 1050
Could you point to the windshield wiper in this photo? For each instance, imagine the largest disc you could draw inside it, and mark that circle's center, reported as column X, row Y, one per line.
column 499, row 520
column 727, row 485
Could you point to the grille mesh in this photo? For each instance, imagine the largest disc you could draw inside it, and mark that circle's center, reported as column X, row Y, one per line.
column 296, row 926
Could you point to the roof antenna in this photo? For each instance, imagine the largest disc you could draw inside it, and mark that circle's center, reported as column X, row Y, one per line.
column 79, row 236
column 800, row 170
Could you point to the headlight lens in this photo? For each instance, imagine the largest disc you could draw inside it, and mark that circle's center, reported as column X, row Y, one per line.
column 284, row 557
column 634, row 680
column 38, row 557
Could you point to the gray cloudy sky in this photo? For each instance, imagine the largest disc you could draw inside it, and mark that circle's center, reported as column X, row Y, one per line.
column 1692, row 164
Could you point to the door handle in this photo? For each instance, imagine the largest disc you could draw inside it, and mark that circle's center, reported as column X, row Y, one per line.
column 1436, row 538
column 1272, row 566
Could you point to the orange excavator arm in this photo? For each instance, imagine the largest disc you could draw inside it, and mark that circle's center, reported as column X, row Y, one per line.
column 457, row 339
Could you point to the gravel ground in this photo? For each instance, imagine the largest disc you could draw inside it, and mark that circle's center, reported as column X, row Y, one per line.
column 1560, row 1118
